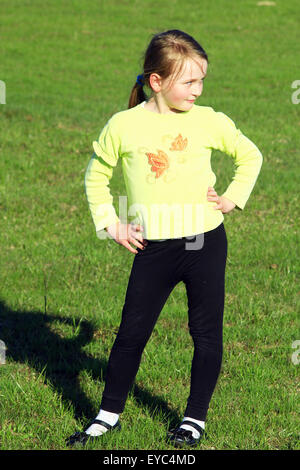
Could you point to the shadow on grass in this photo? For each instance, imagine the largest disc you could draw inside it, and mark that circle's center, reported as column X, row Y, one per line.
column 30, row 338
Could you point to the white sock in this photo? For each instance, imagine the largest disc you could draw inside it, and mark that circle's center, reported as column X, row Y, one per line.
column 196, row 433
column 98, row 429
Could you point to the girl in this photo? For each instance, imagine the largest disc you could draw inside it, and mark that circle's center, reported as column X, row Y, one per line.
column 165, row 145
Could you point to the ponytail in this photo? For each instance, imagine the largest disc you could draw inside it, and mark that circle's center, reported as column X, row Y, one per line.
column 137, row 95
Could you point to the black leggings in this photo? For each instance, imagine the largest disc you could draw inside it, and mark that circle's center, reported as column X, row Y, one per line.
column 200, row 263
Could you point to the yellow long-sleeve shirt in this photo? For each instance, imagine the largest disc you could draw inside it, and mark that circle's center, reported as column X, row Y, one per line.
column 167, row 171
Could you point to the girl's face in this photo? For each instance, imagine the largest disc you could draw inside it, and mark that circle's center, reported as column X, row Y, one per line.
column 179, row 93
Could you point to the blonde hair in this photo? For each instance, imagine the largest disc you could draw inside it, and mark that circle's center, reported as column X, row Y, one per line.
column 165, row 54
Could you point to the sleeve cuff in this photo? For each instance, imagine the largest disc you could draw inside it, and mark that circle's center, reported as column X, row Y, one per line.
column 106, row 215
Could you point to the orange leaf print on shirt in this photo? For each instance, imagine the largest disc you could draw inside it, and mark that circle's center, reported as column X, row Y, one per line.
column 179, row 143
column 159, row 163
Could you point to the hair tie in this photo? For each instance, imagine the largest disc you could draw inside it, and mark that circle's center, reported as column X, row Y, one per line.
column 140, row 79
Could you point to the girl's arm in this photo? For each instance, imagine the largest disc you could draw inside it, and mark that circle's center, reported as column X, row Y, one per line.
column 107, row 150
column 96, row 182
column 247, row 159
column 97, row 177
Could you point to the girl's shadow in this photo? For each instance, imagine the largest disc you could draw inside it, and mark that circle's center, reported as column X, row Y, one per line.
column 34, row 338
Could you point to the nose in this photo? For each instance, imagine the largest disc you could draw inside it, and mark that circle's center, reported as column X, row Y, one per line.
column 197, row 89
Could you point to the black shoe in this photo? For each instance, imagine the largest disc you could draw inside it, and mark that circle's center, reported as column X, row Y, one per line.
column 82, row 437
column 180, row 437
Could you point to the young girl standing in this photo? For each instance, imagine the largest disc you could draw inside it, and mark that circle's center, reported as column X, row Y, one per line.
column 165, row 145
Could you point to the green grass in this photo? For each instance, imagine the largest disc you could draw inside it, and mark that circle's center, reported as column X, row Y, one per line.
column 68, row 67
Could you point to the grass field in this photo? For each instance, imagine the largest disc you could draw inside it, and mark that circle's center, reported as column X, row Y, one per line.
column 68, row 66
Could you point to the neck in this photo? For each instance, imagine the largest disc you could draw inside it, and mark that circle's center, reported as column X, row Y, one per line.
column 157, row 105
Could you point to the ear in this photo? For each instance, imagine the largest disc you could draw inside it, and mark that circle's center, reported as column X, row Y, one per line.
column 155, row 82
